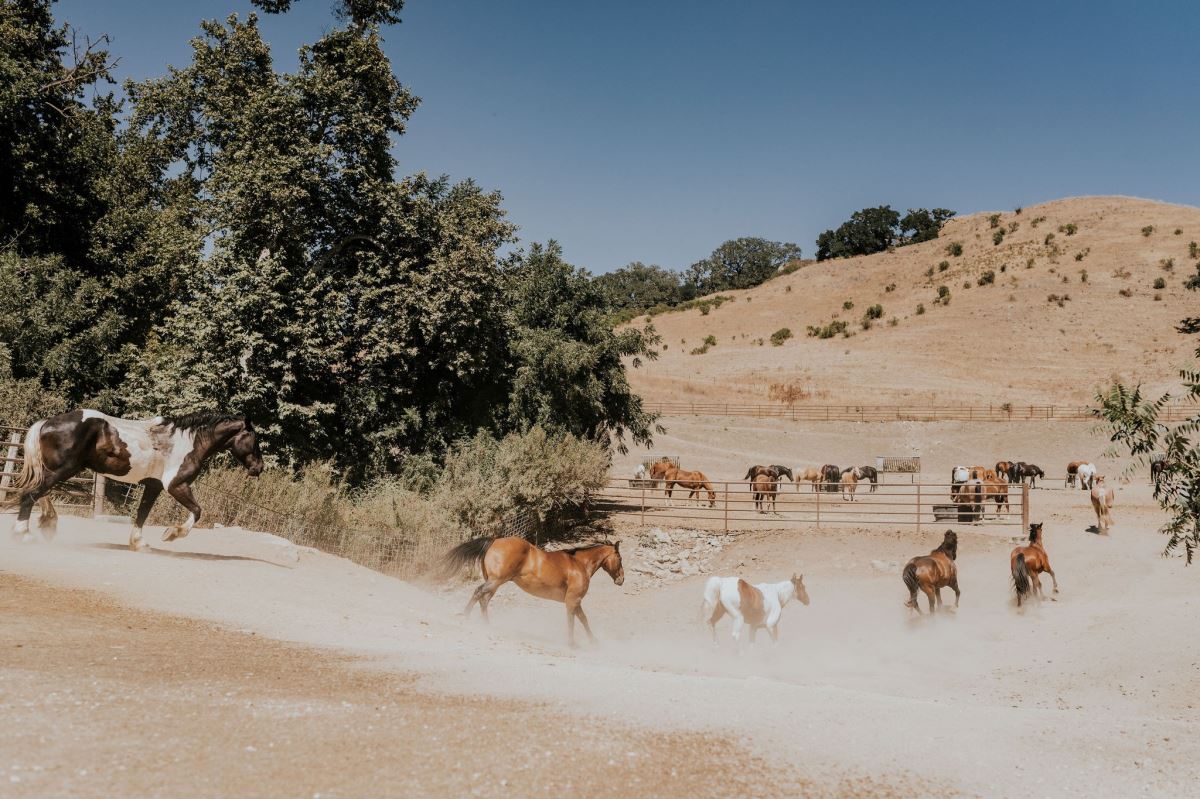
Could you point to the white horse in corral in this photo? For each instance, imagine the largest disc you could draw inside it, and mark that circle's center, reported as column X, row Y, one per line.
column 1086, row 473
column 958, row 476
column 1102, row 502
column 754, row 606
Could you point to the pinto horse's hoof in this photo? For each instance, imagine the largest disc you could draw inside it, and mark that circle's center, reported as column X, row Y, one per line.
column 171, row 533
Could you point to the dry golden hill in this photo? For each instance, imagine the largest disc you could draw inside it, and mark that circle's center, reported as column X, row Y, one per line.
column 1006, row 341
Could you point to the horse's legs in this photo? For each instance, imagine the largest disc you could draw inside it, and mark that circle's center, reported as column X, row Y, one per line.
column 48, row 523
column 583, row 619
column 928, row 591
column 717, row 613
column 150, row 492
column 738, row 622
column 483, row 595
column 572, row 604
column 957, row 593
column 774, row 632
column 1052, row 577
column 182, row 492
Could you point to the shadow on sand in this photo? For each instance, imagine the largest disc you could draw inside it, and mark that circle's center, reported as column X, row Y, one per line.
column 166, row 553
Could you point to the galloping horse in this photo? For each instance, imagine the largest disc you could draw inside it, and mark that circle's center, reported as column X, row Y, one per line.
column 1102, row 502
column 694, row 482
column 764, row 489
column 775, row 472
column 1028, row 563
column 562, row 576
column 933, row 572
column 751, row 605
column 160, row 452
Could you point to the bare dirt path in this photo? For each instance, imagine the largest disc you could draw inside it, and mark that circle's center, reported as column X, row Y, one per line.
column 102, row 700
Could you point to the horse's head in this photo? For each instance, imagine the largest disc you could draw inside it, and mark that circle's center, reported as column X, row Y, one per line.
column 950, row 544
column 244, row 446
column 612, row 564
column 658, row 469
column 798, row 586
column 712, row 497
column 783, row 471
column 1035, row 533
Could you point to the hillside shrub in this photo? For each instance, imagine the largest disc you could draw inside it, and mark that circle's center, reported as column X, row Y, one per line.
column 893, row 322
column 1167, row 264
column 1068, row 228
column 987, row 278
column 998, row 236
column 1037, row 220
column 889, row 288
column 920, row 308
column 1126, row 292
column 1178, row 231
column 954, row 249
column 1147, row 230
column 1017, row 210
column 828, row 331
column 874, row 312
column 943, row 266
column 710, row 341
column 1049, row 238
column 1012, row 226
column 781, row 335
column 1160, row 283
column 1058, row 300
column 993, row 220
column 1083, row 276
column 1193, row 250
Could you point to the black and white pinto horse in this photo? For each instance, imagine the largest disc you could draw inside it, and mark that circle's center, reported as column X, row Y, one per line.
column 163, row 452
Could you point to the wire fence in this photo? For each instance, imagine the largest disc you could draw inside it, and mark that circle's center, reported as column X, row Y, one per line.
column 735, row 505
column 1005, row 412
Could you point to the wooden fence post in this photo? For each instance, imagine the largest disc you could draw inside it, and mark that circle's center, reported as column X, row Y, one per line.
column 98, row 496
column 1024, row 506
column 727, row 507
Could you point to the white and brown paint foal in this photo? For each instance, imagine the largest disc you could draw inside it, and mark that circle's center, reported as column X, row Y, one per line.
column 163, row 452
column 752, row 606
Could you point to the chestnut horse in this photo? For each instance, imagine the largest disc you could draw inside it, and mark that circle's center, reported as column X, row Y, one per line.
column 933, row 572
column 1027, row 565
column 764, row 489
column 563, row 575
column 1002, row 469
column 694, row 482
column 998, row 490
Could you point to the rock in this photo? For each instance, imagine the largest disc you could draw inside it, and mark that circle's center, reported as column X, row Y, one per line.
column 660, row 535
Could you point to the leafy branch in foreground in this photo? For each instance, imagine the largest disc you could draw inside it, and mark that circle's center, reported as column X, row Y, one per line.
column 1133, row 423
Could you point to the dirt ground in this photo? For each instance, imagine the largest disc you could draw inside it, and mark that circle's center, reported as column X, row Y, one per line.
column 233, row 662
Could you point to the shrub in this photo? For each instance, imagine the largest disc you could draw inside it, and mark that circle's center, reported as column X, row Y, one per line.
column 1059, row 301
column 1157, row 297
column 994, row 220
column 929, row 272
column 1037, row 220
column 1003, row 267
column 710, row 341
column 893, row 322
column 954, row 248
column 699, row 350
column 1049, row 238
column 1068, row 228
column 987, row 278
column 847, row 305
column 943, row 266
column 1167, row 264
column 1193, row 250
column 828, row 331
column 1083, row 276
column 705, row 309
column 866, row 323
column 1066, row 279
column 781, row 335
column 788, row 289
column 1178, row 231
column 1126, row 292
column 1012, row 226
column 998, row 236
column 1122, row 273
column 966, row 284
column 889, row 288
column 874, row 312
column 1147, row 230
column 1079, row 256
column 920, row 308
column 1029, row 263
column 1017, row 210
column 788, row 393
column 1160, row 283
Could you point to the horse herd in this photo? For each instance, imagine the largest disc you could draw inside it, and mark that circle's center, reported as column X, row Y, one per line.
column 764, row 481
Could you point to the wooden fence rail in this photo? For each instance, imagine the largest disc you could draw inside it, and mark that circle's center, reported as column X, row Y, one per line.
column 732, row 505
column 899, row 413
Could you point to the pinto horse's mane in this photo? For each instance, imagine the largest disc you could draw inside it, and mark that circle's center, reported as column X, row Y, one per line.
column 191, row 421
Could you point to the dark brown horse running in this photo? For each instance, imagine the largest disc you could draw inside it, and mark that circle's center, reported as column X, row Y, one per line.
column 562, row 576
column 1027, row 565
column 933, row 572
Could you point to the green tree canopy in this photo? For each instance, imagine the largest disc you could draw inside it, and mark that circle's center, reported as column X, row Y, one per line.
column 639, row 286
column 873, row 230
column 740, row 264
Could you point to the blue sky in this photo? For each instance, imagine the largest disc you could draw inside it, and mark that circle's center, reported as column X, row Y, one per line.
column 653, row 131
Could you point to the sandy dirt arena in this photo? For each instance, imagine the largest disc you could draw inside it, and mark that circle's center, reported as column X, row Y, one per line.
column 232, row 662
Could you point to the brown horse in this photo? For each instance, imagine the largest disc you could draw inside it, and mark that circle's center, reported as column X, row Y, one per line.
column 979, row 472
column 1003, row 468
column 563, row 575
column 1072, row 472
column 764, row 490
column 1027, row 565
column 933, row 572
column 997, row 490
column 811, row 475
column 673, row 476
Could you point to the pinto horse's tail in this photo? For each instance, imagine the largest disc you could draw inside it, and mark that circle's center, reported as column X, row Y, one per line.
column 1020, row 575
column 910, row 582
column 468, row 553
column 31, row 472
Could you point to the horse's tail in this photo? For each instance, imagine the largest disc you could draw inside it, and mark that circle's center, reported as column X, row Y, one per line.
column 910, row 581
column 1020, row 574
column 32, row 469
column 468, row 553
column 749, row 473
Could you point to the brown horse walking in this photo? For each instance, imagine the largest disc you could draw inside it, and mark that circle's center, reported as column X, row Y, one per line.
column 764, row 490
column 1027, row 565
column 933, row 572
column 673, row 476
column 562, row 576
